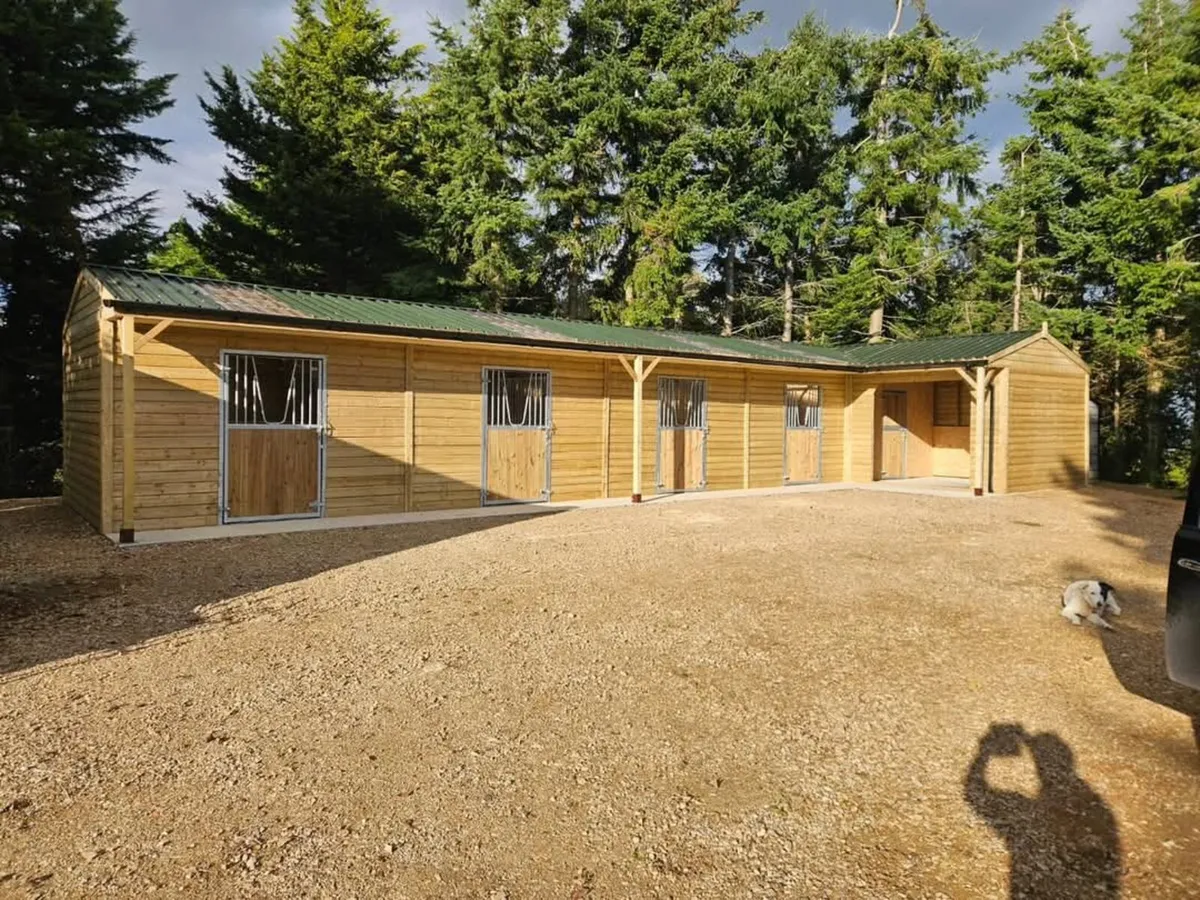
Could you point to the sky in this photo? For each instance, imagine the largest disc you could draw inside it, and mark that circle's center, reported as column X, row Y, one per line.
column 188, row 38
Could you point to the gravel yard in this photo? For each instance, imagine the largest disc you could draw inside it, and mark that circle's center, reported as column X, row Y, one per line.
column 769, row 696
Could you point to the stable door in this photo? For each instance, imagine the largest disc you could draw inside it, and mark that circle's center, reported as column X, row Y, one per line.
column 272, row 436
column 516, row 436
column 801, row 434
column 682, row 434
column 893, row 461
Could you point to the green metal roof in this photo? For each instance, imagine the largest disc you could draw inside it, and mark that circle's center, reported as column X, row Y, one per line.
column 933, row 351
column 135, row 290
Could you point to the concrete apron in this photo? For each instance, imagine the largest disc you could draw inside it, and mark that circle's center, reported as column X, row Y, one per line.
column 933, row 487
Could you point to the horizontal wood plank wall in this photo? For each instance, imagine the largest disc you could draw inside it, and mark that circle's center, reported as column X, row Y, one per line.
column 448, row 385
column 178, row 426
column 81, row 435
column 766, row 423
column 1046, row 419
column 863, row 439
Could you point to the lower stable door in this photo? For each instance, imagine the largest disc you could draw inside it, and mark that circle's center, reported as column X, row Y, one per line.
column 516, row 435
column 273, row 436
column 682, row 434
column 802, row 434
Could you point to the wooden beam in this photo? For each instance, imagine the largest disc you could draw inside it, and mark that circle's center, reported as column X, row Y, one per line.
column 628, row 368
column 108, row 335
column 152, row 334
column 965, row 376
column 1087, row 428
column 650, row 368
column 981, row 381
column 128, row 443
column 638, row 378
column 410, row 428
column 848, row 430
column 605, row 430
column 745, row 430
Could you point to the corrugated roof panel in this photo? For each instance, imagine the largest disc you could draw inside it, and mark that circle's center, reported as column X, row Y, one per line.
column 934, row 351
column 159, row 291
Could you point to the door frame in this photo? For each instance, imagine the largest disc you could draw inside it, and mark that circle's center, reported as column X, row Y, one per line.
column 902, row 430
column 322, row 430
column 659, row 429
column 820, row 430
column 547, row 429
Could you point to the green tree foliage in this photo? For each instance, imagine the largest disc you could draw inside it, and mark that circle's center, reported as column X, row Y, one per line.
column 324, row 187
column 916, row 89
column 178, row 252
column 72, row 96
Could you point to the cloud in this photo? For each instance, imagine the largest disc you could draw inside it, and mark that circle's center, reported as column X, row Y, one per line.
column 189, row 38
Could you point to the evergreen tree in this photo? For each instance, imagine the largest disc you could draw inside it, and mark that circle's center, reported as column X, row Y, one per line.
column 800, row 176
column 486, row 119
column 71, row 99
column 915, row 165
column 178, row 252
column 324, row 188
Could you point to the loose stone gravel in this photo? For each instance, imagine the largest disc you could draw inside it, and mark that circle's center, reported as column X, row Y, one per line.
column 768, row 696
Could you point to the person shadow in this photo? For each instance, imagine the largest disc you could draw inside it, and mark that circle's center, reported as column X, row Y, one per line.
column 1062, row 843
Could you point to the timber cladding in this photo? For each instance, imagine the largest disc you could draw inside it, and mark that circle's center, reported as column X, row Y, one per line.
column 1047, row 419
column 83, row 392
column 403, row 426
column 177, row 424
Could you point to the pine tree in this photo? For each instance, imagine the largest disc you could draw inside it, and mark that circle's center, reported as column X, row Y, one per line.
column 72, row 96
column 914, row 163
column 801, row 176
column 324, row 189
column 486, row 121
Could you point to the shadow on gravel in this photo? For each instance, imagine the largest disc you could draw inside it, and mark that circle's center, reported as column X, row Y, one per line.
column 66, row 591
column 1062, row 842
column 1136, row 650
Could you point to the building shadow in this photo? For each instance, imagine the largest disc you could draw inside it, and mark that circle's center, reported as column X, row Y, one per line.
column 1063, row 841
column 67, row 591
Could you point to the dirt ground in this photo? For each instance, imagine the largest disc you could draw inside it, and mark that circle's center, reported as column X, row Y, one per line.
column 839, row 694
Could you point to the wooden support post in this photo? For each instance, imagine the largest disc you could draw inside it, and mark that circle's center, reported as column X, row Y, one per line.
column 745, row 430
column 410, row 436
column 108, row 343
column 638, row 378
column 1087, row 428
column 848, row 430
column 605, row 430
column 128, row 449
column 981, row 382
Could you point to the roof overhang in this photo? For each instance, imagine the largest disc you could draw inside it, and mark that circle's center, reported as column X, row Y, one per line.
column 295, row 324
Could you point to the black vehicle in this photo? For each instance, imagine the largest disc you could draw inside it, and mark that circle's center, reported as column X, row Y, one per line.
column 1183, row 593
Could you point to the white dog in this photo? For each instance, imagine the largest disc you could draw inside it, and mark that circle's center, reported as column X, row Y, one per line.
column 1091, row 600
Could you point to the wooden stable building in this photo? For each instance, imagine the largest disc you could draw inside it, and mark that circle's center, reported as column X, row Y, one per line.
column 191, row 402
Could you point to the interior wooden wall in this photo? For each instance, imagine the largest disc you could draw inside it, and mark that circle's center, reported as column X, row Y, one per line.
column 82, row 402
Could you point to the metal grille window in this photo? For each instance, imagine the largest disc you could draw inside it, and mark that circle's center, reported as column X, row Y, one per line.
column 803, row 407
column 951, row 404
column 273, row 390
column 517, row 399
column 682, row 403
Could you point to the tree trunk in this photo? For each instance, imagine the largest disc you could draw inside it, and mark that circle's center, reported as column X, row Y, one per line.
column 1152, row 450
column 727, row 308
column 1016, row 320
column 789, row 298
